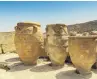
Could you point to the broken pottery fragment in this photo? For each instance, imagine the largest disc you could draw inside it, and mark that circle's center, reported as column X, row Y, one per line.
column 72, row 33
column 56, row 43
column 85, row 34
column 93, row 33
column 82, row 51
column 29, row 42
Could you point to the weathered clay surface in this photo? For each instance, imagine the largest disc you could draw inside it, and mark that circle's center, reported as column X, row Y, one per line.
column 56, row 43
column 83, row 52
column 29, row 42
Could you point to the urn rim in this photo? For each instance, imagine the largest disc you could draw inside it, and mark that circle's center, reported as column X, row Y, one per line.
column 28, row 23
column 61, row 24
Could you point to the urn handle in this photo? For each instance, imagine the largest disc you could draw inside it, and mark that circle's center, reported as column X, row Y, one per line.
column 17, row 28
column 34, row 29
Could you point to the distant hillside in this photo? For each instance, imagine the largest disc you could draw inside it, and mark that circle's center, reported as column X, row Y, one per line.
column 7, row 41
column 83, row 27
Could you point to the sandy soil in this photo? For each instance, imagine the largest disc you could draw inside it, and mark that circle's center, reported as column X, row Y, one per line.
column 41, row 71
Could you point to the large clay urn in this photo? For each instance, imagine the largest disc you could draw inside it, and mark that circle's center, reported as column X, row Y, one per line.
column 83, row 52
column 56, row 43
column 28, row 42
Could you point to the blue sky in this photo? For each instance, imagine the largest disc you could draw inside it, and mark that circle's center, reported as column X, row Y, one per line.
column 45, row 13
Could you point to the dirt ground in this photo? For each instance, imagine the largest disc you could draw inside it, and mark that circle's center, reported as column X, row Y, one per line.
column 41, row 71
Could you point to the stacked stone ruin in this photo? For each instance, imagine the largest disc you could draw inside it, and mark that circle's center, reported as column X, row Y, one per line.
column 7, row 42
column 57, row 45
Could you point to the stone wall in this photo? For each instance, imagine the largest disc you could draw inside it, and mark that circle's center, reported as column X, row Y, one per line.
column 7, row 42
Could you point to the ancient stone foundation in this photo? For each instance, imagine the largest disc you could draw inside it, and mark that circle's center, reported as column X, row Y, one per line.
column 7, row 42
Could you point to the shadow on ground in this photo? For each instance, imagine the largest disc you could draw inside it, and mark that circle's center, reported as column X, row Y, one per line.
column 13, row 59
column 19, row 67
column 70, row 74
column 94, row 70
column 44, row 68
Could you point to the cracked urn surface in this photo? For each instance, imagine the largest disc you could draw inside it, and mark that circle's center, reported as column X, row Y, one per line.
column 82, row 50
column 29, row 42
column 56, row 43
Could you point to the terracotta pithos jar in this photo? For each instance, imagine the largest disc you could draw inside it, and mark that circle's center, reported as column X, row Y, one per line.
column 83, row 52
column 29, row 42
column 56, row 43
